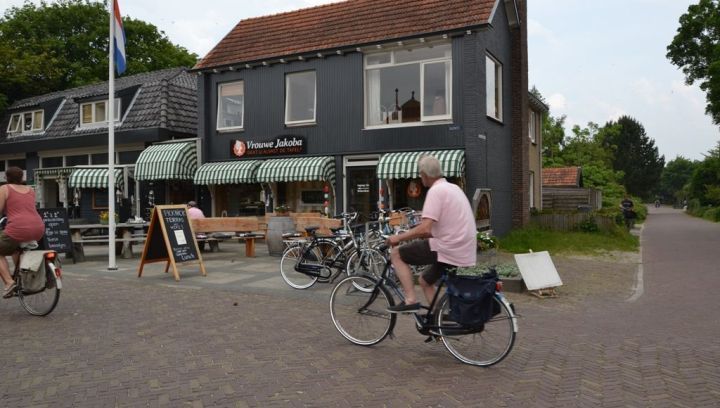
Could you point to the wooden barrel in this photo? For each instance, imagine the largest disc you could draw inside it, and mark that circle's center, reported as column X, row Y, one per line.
column 276, row 227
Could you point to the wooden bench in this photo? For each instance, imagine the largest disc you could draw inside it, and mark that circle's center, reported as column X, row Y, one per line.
column 129, row 236
column 324, row 223
column 247, row 227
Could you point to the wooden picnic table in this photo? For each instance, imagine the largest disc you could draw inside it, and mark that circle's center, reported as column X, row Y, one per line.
column 126, row 232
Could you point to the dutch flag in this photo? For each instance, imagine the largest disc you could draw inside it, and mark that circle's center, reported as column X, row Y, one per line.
column 119, row 38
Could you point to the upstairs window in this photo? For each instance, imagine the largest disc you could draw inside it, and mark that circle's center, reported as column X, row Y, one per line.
column 493, row 88
column 533, row 126
column 26, row 122
column 231, row 105
column 408, row 85
column 95, row 113
column 300, row 98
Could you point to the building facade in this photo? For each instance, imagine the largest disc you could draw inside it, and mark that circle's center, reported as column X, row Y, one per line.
column 61, row 141
column 328, row 108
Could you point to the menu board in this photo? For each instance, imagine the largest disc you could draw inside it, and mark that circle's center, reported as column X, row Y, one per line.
column 170, row 239
column 179, row 234
column 57, row 229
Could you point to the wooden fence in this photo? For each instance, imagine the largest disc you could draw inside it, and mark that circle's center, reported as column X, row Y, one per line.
column 570, row 199
column 570, row 221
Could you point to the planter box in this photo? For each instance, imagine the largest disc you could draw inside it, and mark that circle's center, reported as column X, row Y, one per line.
column 515, row 284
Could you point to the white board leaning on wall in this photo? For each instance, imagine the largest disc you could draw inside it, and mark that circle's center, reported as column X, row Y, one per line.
column 538, row 270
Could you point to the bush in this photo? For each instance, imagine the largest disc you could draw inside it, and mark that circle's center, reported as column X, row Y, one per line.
column 712, row 214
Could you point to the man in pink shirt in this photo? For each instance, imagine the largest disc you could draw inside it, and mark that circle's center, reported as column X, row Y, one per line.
column 193, row 211
column 449, row 226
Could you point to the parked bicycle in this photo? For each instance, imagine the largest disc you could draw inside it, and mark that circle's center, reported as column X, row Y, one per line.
column 324, row 258
column 358, row 308
column 37, row 289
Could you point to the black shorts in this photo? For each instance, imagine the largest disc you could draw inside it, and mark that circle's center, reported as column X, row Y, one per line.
column 419, row 253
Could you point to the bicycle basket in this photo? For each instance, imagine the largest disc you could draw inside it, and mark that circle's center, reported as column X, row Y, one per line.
column 472, row 298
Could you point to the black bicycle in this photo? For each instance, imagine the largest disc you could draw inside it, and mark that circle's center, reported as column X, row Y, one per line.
column 324, row 258
column 358, row 308
column 38, row 290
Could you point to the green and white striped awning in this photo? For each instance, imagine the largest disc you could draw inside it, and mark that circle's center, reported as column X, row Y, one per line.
column 232, row 172
column 52, row 171
column 404, row 165
column 297, row 169
column 167, row 161
column 93, row 177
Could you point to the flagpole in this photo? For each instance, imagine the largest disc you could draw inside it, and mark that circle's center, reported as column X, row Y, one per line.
column 112, row 265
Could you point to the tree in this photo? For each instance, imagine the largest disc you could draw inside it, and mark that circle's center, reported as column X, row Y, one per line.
column 585, row 149
column 51, row 47
column 696, row 50
column 553, row 139
column 635, row 154
column 675, row 176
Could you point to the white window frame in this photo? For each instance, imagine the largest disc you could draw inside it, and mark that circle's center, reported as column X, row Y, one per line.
column 94, row 122
column 531, row 182
column 287, row 100
column 532, row 126
column 20, row 124
column 219, row 96
column 424, row 120
column 495, row 68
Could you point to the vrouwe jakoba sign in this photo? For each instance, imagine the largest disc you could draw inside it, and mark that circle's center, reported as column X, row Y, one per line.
column 281, row 145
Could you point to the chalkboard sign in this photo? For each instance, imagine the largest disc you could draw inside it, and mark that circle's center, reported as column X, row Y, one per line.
column 170, row 239
column 57, row 230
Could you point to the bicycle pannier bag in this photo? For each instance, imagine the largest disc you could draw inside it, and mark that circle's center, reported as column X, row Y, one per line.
column 32, row 271
column 472, row 298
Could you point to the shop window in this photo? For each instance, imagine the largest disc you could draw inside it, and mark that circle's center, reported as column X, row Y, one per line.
column 312, row 197
column 300, row 98
column 80, row 160
column 231, row 105
column 408, row 85
column 17, row 163
column 26, row 122
column 128, row 157
column 99, row 158
column 493, row 87
column 95, row 113
column 52, row 162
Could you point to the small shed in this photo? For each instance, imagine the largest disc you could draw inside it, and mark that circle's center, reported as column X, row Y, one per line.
column 563, row 190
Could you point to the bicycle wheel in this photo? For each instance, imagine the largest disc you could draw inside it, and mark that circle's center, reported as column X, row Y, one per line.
column 482, row 347
column 360, row 315
column 43, row 302
column 368, row 262
column 295, row 279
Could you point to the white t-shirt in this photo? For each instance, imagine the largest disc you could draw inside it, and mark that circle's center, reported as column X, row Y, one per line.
column 454, row 236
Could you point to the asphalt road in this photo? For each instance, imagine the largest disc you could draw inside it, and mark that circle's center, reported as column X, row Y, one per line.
column 640, row 336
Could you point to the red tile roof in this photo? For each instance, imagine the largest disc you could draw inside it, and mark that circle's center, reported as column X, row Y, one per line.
column 562, row 177
column 344, row 24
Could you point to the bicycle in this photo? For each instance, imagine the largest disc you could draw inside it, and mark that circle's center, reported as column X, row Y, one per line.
column 42, row 300
column 323, row 258
column 358, row 309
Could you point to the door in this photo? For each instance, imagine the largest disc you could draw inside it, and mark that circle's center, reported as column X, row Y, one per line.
column 362, row 190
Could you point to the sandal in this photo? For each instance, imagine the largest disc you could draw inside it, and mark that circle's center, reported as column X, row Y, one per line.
column 10, row 291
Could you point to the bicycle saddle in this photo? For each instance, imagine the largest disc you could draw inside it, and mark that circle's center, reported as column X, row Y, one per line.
column 29, row 245
column 311, row 229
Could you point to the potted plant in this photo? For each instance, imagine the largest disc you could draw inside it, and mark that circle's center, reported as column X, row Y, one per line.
column 282, row 210
column 486, row 242
column 105, row 217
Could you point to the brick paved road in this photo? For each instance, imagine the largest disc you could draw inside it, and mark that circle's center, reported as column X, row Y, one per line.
column 120, row 341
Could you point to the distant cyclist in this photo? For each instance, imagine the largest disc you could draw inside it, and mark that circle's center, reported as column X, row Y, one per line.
column 628, row 208
column 448, row 227
column 17, row 201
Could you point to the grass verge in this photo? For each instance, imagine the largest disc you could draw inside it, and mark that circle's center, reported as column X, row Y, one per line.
column 556, row 242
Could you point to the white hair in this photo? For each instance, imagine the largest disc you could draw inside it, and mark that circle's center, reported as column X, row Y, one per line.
column 430, row 166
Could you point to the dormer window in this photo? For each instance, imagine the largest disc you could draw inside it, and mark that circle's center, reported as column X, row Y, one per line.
column 26, row 122
column 95, row 113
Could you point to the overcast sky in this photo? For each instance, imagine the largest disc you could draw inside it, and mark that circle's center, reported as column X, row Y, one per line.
column 592, row 60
